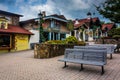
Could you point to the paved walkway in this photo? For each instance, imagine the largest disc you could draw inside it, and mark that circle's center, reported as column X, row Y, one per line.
column 22, row 66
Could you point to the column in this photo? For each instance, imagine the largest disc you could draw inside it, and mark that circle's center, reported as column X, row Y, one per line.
column 75, row 33
column 58, row 36
column 49, row 35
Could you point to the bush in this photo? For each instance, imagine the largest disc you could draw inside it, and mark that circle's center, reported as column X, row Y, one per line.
column 71, row 39
column 55, row 42
column 82, row 43
column 116, row 37
column 114, row 31
column 68, row 40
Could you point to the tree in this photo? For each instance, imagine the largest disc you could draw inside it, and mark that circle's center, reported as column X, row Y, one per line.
column 70, row 25
column 42, row 37
column 110, row 9
column 115, row 32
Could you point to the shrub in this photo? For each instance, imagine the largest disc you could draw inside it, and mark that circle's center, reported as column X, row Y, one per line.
column 55, row 42
column 114, row 31
column 71, row 39
column 116, row 37
column 68, row 40
column 82, row 43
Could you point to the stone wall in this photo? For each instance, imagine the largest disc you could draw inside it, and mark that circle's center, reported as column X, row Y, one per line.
column 50, row 50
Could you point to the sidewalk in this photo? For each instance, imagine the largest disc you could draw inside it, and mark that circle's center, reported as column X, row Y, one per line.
column 22, row 66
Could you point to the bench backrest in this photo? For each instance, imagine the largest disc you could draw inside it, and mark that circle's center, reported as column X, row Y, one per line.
column 90, row 47
column 110, row 48
column 87, row 55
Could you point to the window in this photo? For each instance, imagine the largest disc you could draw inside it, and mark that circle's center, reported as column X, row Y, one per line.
column 62, row 36
column 5, row 41
column 2, row 25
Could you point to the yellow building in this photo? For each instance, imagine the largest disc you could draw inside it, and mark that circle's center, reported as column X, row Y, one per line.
column 12, row 36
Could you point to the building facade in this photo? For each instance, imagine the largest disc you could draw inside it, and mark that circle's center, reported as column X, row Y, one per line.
column 106, row 27
column 12, row 36
column 87, row 29
column 54, row 28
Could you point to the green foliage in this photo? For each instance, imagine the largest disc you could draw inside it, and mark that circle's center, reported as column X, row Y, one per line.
column 116, row 36
column 70, row 25
column 55, row 42
column 114, row 31
column 71, row 39
column 110, row 9
column 42, row 38
column 82, row 43
column 68, row 40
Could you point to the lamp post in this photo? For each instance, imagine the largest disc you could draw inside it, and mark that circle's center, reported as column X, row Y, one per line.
column 90, row 19
column 40, row 16
column 90, row 28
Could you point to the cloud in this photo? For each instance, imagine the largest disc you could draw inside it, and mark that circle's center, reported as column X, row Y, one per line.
column 3, row 7
column 71, row 9
column 31, row 11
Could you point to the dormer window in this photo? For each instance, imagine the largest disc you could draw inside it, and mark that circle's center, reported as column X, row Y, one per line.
column 3, row 23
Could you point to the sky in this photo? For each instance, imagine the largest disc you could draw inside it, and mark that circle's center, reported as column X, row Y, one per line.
column 71, row 9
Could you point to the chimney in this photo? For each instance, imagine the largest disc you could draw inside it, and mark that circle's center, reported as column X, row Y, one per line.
column 44, row 13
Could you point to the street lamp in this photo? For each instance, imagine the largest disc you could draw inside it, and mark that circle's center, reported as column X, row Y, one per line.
column 40, row 16
column 89, row 15
column 90, row 28
column 90, row 19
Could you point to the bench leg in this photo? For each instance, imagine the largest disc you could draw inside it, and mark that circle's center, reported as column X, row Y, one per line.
column 65, row 65
column 81, row 67
column 110, row 56
column 102, row 70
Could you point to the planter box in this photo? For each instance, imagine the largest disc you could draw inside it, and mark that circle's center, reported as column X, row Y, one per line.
column 50, row 50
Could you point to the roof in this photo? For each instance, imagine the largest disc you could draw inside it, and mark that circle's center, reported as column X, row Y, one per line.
column 108, row 26
column 84, row 21
column 28, row 21
column 15, row 29
column 59, row 16
column 56, row 17
column 9, row 13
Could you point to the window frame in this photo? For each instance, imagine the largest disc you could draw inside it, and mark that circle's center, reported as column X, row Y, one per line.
column 1, row 48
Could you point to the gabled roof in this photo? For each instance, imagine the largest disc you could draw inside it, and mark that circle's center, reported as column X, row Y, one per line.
column 59, row 16
column 84, row 21
column 56, row 17
column 108, row 26
column 9, row 13
column 28, row 21
column 15, row 29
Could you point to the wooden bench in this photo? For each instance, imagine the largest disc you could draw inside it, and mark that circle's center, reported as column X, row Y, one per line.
column 93, row 48
column 82, row 56
column 90, row 47
column 110, row 48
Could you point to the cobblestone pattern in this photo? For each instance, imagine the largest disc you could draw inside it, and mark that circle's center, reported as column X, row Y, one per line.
column 23, row 66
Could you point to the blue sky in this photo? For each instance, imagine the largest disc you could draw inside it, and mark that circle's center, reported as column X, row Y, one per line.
column 71, row 9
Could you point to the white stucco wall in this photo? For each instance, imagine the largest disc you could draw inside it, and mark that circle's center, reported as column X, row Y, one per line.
column 34, row 38
column 68, row 34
